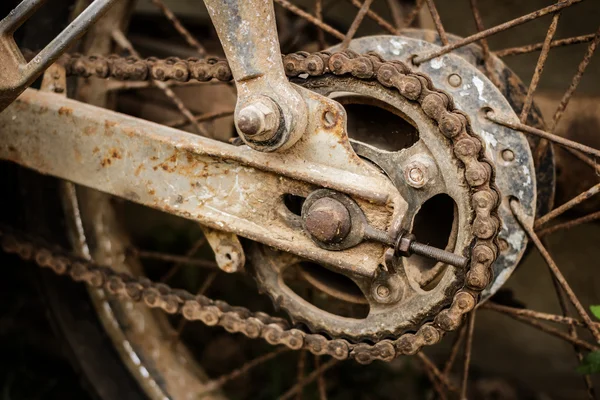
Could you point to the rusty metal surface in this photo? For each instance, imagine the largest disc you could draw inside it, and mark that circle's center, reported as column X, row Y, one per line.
column 222, row 186
column 472, row 93
column 477, row 174
column 15, row 73
column 229, row 253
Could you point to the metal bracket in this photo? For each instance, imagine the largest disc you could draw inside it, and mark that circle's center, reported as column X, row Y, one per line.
column 229, row 253
column 270, row 114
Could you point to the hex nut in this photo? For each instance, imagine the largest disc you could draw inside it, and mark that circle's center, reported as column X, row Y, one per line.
column 402, row 245
column 258, row 120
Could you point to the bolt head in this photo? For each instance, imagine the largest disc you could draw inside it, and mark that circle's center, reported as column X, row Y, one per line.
column 415, row 174
column 508, row 155
column 258, row 120
column 454, row 80
column 328, row 220
column 383, row 291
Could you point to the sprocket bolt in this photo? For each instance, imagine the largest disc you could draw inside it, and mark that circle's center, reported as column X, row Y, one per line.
column 383, row 291
column 419, row 171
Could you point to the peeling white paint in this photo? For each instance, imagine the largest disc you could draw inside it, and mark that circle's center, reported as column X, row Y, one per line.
column 397, row 46
column 489, row 138
column 515, row 239
column 479, row 85
column 437, row 63
column 527, row 175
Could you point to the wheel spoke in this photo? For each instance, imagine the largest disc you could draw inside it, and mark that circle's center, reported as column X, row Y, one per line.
column 428, row 364
column 543, row 134
column 467, row 355
column 310, row 18
column 300, row 367
column 512, row 51
column 243, row 370
column 454, row 350
column 377, row 18
column 539, row 68
column 554, row 332
column 521, row 217
column 489, row 68
column 437, row 22
column 209, row 116
column 533, row 315
column 434, row 382
column 567, row 206
column 573, row 333
column 156, row 255
column 120, row 38
column 319, row 16
column 396, row 11
column 569, row 224
column 189, row 38
column 190, row 253
column 496, row 29
column 321, row 384
column 414, row 13
column 356, row 23
column 576, row 79
column 309, row 379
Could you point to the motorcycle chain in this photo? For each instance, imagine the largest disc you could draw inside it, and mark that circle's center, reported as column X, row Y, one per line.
column 416, row 87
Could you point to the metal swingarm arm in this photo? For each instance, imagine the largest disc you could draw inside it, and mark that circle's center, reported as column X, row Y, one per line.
column 235, row 189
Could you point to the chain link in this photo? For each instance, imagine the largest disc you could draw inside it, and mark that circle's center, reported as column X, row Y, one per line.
column 417, row 87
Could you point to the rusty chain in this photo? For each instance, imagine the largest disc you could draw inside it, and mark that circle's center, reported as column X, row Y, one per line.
column 416, row 87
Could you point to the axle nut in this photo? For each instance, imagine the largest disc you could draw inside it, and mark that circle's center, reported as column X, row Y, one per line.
column 259, row 119
column 328, row 221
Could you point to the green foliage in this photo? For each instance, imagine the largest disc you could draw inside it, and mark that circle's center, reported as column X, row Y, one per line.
column 591, row 362
column 596, row 311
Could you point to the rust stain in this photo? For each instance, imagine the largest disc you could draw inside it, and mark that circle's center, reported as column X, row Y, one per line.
column 89, row 130
column 129, row 132
column 65, row 111
column 78, row 157
column 95, row 150
column 114, row 153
